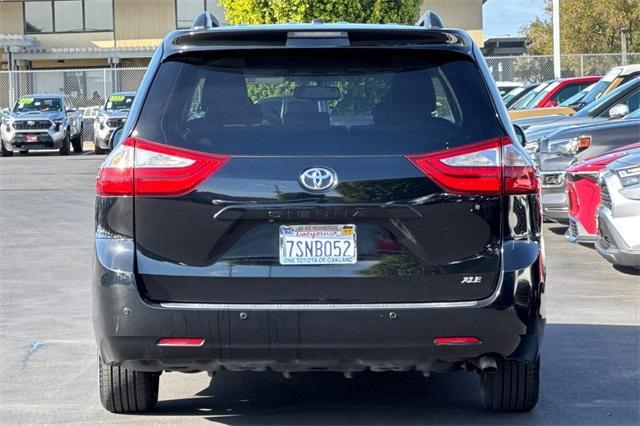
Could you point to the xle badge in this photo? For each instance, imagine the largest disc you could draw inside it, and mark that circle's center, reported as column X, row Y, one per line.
column 474, row 279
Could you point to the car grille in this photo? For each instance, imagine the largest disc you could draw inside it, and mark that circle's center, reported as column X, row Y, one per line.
column 116, row 122
column 605, row 197
column 37, row 125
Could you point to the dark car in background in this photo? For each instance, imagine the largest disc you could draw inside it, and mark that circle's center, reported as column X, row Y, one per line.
column 571, row 144
column 41, row 122
column 227, row 241
column 113, row 115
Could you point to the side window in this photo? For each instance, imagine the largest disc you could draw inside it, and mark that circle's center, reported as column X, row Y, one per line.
column 632, row 101
column 443, row 104
column 567, row 92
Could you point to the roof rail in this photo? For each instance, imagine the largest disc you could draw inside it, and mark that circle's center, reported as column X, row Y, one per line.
column 205, row 21
column 430, row 19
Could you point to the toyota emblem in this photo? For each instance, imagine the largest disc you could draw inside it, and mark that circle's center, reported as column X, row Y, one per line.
column 318, row 179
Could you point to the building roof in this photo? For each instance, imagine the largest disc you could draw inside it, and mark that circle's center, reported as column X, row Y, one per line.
column 31, row 54
column 17, row 40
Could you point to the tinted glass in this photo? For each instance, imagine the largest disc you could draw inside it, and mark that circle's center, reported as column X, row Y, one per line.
column 68, row 15
column 400, row 102
column 596, row 106
column 38, row 104
column 594, row 93
column 187, row 10
column 578, row 96
column 98, row 15
column 118, row 102
column 568, row 92
column 38, row 17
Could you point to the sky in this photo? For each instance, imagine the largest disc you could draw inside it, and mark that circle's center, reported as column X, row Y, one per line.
column 506, row 17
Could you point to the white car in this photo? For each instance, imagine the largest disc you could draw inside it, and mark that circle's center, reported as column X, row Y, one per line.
column 619, row 212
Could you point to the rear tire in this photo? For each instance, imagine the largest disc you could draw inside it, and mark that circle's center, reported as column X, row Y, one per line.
column 513, row 387
column 97, row 150
column 66, row 143
column 126, row 391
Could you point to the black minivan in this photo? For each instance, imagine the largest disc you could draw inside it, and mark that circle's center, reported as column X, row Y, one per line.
column 387, row 220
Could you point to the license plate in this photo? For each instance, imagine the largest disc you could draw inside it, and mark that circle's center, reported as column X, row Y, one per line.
column 318, row 244
column 31, row 138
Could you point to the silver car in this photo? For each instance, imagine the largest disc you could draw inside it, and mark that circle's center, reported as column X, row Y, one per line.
column 113, row 115
column 619, row 212
column 41, row 122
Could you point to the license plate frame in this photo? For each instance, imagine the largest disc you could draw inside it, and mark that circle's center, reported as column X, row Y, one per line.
column 296, row 242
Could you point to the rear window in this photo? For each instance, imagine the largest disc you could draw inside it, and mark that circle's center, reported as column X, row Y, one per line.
column 321, row 102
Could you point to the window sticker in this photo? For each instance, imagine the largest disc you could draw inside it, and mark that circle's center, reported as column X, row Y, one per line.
column 25, row 101
column 109, row 105
column 116, row 98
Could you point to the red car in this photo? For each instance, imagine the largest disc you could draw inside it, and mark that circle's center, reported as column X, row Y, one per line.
column 584, row 194
column 558, row 91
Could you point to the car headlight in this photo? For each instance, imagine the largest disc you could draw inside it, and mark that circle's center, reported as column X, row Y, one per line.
column 58, row 122
column 629, row 176
column 570, row 146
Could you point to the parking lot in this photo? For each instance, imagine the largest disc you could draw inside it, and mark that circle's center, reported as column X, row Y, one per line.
column 48, row 372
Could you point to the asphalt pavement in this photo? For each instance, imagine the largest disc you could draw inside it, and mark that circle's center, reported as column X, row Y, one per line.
column 48, row 371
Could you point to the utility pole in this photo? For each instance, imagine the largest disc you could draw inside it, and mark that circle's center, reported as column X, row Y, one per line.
column 623, row 36
column 556, row 39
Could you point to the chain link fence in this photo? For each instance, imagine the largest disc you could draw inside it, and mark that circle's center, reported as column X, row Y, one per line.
column 540, row 68
column 85, row 87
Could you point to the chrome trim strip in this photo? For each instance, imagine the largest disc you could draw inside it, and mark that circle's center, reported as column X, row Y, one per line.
column 316, row 306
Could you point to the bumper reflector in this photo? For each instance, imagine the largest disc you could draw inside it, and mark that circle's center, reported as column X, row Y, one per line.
column 181, row 341
column 456, row 341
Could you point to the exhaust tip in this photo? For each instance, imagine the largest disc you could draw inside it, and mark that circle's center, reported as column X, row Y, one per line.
column 487, row 364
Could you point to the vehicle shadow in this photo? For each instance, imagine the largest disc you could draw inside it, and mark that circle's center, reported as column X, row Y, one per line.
column 52, row 153
column 558, row 229
column 627, row 270
column 590, row 375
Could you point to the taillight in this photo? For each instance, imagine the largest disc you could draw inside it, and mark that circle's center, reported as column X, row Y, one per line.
column 142, row 168
column 491, row 167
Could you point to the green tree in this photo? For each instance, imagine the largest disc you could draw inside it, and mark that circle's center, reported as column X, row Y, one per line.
column 587, row 26
column 357, row 11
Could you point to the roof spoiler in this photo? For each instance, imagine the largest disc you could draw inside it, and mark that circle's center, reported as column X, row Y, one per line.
column 429, row 20
column 205, row 21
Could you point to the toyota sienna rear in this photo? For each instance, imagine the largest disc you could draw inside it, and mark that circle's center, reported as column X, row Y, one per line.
column 318, row 197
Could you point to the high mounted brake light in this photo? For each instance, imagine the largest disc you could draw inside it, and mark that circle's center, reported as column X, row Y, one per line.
column 491, row 167
column 142, row 168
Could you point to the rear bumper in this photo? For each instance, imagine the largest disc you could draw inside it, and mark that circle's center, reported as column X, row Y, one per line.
column 309, row 337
